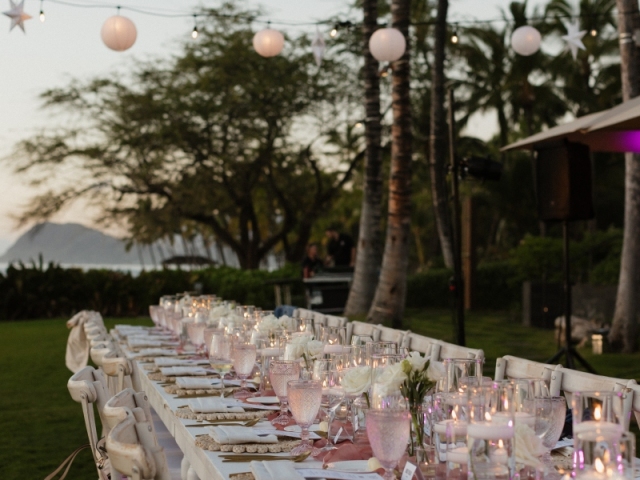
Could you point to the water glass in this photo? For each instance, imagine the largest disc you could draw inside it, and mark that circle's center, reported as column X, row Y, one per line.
column 244, row 359
column 280, row 373
column 598, row 455
column 304, row 401
column 266, row 353
column 388, row 432
column 461, row 373
column 220, row 354
column 550, row 414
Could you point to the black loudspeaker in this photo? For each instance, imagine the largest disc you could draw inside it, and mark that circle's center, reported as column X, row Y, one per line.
column 563, row 182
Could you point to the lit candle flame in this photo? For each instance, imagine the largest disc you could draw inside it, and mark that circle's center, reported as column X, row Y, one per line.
column 597, row 413
column 487, row 416
column 453, row 415
column 500, row 444
column 599, row 465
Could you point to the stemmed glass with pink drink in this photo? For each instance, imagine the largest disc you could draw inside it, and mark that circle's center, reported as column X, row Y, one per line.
column 388, row 431
column 304, row 401
column 244, row 359
column 280, row 373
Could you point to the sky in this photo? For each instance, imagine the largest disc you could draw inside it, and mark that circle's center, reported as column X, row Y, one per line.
column 67, row 46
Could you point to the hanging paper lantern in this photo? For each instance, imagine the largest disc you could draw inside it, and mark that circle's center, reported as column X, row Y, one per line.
column 268, row 42
column 387, row 44
column 525, row 40
column 318, row 46
column 118, row 33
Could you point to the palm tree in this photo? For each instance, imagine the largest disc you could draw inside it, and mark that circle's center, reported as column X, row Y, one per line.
column 438, row 144
column 369, row 248
column 389, row 301
column 624, row 327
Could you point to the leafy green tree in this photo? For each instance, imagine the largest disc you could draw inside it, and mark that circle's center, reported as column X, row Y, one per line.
column 210, row 138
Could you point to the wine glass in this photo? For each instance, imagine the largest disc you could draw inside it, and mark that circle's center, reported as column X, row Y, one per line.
column 550, row 415
column 304, row 400
column 388, row 431
column 244, row 359
column 220, row 354
column 281, row 372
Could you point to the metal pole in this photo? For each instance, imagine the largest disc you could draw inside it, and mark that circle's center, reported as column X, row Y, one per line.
column 457, row 245
column 567, row 294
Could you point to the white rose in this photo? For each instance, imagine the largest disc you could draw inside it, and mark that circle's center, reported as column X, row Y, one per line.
column 293, row 351
column 388, row 382
column 416, row 360
column 268, row 324
column 314, row 348
column 528, row 446
column 435, row 371
column 356, row 380
column 286, row 322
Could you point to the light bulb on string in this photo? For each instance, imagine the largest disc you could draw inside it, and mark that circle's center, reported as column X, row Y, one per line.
column 333, row 33
column 593, row 32
column 454, row 38
column 194, row 32
column 41, row 12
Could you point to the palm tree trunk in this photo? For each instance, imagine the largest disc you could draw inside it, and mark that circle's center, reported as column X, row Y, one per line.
column 369, row 249
column 624, row 327
column 389, row 300
column 438, row 143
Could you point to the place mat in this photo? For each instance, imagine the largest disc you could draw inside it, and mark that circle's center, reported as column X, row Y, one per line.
column 159, row 377
column 207, row 443
column 186, row 413
column 242, row 476
column 174, row 389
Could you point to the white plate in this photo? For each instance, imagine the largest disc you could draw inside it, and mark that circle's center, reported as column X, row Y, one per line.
column 350, row 466
column 296, row 428
column 264, row 400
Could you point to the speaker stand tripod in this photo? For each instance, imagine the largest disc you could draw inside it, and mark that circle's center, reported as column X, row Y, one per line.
column 568, row 351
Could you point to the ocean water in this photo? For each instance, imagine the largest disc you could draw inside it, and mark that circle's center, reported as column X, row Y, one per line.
column 134, row 269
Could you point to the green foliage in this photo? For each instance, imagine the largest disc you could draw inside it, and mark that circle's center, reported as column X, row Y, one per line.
column 36, row 292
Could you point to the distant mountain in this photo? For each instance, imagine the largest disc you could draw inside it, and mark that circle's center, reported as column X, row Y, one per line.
column 71, row 243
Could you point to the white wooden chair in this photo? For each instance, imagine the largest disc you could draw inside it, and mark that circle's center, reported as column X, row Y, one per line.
column 134, row 451
column 335, row 321
column 88, row 387
column 120, row 370
column 386, row 334
column 360, row 328
column 508, row 367
column 419, row 343
column 635, row 405
column 115, row 411
column 564, row 380
column 441, row 350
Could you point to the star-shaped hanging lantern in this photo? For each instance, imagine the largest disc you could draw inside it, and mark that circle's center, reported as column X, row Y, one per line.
column 17, row 15
column 574, row 38
column 318, row 47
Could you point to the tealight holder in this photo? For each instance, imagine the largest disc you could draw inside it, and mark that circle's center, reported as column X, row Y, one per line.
column 457, row 450
column 491, row 432
column 449, row 413
column 599, row 455
column 601, row 410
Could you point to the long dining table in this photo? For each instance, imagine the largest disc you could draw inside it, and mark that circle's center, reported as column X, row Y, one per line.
column 207, row 464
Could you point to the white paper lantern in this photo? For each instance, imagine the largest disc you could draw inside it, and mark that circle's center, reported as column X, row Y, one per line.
column 118, row 33
column 387, row 44
column 268, row 42
column 525, row 40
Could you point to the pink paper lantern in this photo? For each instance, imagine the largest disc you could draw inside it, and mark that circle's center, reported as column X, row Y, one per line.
column 268, row 42
column 118, row 33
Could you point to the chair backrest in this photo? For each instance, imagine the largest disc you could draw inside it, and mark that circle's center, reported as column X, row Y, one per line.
column 134, row 451
column 569, row 381
column 334, row 321
column 303, row 313
column 360, row 328
column 89, row 388
column 419, row 343
column 515, row 367
column 119, row 369
column 386, row 334
column 635, row 405
column 441, row 350
column 115, row 410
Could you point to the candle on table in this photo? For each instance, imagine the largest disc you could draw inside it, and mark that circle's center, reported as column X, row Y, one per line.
column 489, row 431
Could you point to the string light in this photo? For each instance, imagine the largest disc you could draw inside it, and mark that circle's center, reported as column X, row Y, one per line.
column 41, row 12
column 593, row 32
column 194, row 32
column 454, row 38
column 384, row 72
column 333, row 33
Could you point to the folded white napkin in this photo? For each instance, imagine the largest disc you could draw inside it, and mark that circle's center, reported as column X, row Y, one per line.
column 275, row 470
column 175, row 362
column 196, row 383
column 154, row 352
column 176, row 371
column 138, row 342
column 235, row 435
column 214, row 405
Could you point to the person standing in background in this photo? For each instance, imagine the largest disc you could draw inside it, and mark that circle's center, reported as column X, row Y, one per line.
column 341, row 251
column 311, row 263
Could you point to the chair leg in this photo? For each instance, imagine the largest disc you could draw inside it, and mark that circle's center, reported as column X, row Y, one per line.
column 184, row 468
column 192, row 475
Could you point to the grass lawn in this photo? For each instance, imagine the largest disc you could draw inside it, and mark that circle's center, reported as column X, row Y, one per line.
column 41, row 425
